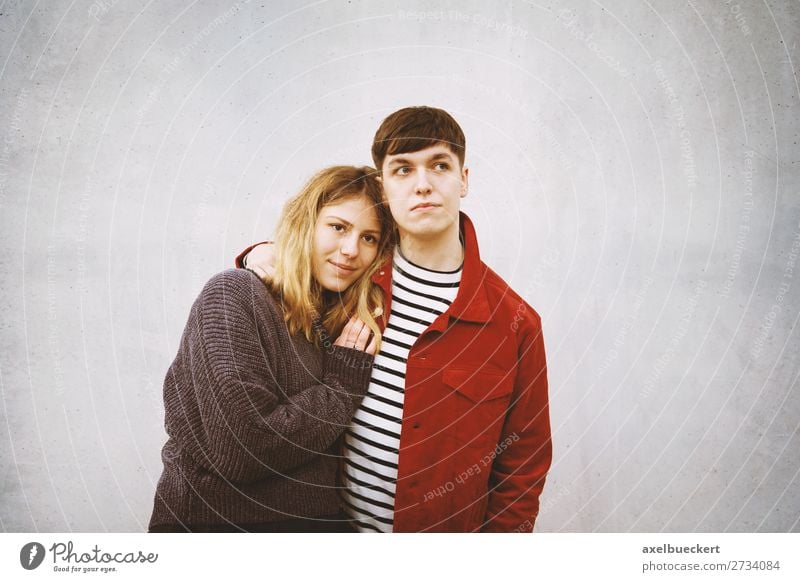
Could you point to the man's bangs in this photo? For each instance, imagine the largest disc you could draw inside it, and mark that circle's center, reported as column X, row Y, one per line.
column 405, row 145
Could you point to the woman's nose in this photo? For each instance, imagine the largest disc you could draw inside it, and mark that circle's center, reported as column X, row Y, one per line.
column 349, row 246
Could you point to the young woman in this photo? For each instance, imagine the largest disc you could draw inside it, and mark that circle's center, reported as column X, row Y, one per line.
column 260, row 390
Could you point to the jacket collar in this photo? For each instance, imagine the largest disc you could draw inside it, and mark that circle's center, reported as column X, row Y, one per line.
column 471, row 303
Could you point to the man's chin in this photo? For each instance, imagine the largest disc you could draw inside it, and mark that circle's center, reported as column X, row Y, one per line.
column 428, row 227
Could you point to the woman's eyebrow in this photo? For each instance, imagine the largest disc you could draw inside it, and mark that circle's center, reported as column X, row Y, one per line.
column 334, row 217
column 350, row 224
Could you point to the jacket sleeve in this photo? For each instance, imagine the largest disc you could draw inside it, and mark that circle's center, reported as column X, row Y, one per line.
column 250, row 428
column 519, row 471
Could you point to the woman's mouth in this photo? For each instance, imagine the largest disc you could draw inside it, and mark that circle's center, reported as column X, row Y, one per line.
column 341, row 269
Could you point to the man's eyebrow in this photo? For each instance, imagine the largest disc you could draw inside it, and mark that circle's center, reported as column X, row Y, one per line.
column 397, row 161
column 442, row 156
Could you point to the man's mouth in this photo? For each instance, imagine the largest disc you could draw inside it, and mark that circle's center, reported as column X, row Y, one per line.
column 424, row 206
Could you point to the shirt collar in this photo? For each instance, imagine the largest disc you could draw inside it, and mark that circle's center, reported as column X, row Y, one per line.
column 471, row 303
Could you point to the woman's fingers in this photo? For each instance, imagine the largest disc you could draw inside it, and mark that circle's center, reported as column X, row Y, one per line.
column 373, row 345
column 349, row 333
column 363, row 337
column 355, row 326
column 355, row 335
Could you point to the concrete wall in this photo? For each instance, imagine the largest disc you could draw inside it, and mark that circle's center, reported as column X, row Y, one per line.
column 634, row 174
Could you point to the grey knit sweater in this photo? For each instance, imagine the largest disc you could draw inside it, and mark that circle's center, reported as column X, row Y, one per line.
column 253, row 414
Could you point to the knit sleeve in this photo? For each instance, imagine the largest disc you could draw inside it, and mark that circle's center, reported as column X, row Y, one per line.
column 252, row 429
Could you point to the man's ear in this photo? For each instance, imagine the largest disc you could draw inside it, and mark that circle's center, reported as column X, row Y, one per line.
column 379, row 178
column 464, row 181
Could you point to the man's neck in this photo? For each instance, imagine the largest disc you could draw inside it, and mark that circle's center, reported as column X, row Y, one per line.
column 445, row 253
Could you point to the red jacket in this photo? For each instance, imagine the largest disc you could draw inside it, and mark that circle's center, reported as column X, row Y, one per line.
column 475, row 440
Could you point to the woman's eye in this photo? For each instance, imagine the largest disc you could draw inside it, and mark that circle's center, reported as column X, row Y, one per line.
column 337, row 227
column 370, row 238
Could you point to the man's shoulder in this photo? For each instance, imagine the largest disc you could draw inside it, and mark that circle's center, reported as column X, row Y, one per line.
column 502, row 295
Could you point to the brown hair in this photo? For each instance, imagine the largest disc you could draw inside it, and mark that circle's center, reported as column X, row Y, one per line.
column 301, row 296
column 416, row 128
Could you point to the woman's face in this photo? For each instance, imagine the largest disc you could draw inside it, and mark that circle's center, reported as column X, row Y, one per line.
column 346, row 241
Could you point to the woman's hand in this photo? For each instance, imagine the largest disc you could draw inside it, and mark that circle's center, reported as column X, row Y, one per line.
column 356, row 335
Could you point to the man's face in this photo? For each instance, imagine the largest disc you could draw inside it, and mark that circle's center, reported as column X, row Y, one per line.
column 424, row 191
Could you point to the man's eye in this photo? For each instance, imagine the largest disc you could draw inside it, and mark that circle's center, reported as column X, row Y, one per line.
column 442, row 167
column 402, row 171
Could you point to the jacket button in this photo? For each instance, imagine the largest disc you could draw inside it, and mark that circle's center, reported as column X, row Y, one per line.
column 381, row 272
column 416, row 425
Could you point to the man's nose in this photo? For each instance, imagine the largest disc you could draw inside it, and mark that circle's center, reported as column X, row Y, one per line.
column 423, row 186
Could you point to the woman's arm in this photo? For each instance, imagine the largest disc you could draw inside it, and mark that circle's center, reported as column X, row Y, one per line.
column 250, row 428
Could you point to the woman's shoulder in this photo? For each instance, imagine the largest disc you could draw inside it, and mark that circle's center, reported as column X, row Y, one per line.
column 235, row 287
column 233, row 277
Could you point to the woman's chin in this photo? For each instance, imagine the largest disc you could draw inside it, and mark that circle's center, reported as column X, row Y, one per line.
column 334, row 286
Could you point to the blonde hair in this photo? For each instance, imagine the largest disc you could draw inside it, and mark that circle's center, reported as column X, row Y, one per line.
column 302, row 298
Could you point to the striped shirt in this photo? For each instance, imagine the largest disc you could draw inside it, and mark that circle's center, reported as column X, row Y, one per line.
column 372, row 441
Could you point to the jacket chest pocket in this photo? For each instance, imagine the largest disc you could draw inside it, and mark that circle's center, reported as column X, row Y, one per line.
column 477, row 405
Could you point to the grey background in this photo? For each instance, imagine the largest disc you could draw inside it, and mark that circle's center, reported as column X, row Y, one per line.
column 634, row 175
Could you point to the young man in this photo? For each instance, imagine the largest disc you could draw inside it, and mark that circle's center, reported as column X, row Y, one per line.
column 454, row 433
